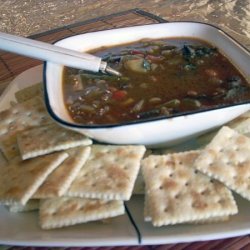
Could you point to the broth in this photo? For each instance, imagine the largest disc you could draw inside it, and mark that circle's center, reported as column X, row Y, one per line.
column 159, row 78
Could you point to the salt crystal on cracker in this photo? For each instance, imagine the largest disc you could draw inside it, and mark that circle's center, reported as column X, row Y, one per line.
column 61, row 178
column 20, row 179
column 47, row 139
column 109, row 173
column 177, row 193
column 227, row 159
column 66, row 211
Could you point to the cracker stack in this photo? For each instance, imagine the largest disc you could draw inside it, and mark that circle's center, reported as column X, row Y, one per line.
column 98, row 191
column 177, row 193
column 227, row 159
column 47, row 164
column 71, row 181
column 196, row 186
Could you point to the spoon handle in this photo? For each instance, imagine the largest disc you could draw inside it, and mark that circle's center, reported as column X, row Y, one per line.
column 52, row 53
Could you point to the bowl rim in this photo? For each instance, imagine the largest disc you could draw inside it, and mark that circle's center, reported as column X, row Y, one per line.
column 137, row 122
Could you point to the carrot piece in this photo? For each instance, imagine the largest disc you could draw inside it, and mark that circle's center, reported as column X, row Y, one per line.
column 119, row 95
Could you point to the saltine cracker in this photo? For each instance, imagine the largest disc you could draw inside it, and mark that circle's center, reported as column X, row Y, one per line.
column 227, row 159
column 66, row 211
column 177, row 193
column 109, row 173
column 47, row 139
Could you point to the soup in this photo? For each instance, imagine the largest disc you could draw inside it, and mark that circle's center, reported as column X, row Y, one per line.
column 159, row 78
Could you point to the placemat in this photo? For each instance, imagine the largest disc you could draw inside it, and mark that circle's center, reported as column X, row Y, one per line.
column 12, row 65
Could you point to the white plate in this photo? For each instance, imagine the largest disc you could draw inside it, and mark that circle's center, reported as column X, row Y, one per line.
column 23, row 229
column 25, row 79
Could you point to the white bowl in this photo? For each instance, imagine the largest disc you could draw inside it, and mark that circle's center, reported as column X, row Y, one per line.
column 158, row 131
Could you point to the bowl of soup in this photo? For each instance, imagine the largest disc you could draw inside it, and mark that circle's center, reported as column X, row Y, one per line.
column 178, row 80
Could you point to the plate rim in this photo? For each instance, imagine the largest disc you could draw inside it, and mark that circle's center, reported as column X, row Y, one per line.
column 145, row 240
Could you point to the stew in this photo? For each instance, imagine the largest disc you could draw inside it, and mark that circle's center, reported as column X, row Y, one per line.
column 159, row 78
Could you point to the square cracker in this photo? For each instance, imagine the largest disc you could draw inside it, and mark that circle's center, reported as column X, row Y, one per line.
column 47, row 139
column 109, row 173
column 66, row 211
column 20, row 179
column 227, row 159
column 177, row 193
column 61, row 178
column 24, row 115
column 3, row 161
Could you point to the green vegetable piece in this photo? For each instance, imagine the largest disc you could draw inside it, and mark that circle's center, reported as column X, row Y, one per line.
column 191, row 103
column 175, row 103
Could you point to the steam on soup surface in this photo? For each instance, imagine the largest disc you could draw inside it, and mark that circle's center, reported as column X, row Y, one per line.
column 159, row 78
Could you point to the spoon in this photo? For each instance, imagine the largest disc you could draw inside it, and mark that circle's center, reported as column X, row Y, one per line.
column 52, row 53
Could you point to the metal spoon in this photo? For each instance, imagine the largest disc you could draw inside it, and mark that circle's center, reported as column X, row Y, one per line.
column 52, row 53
